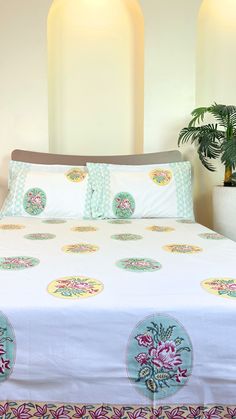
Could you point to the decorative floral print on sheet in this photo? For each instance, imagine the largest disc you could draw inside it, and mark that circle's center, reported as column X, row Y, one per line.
column 160, row 229
column 54, row 221
column 80, row 248
column 159, row 356
column 223, row 287
column 212, row 236
column 7, row 349
column 123, row 205
column 14, row 263
column 126, row 237
column 139, row 265
column 186, row 221
column 161, row 177
column 76, row 175
column 27, row 410
column 11, row 226
column 119, row 221
column 40, row 236
column 182, row 248
column 34, row 201
column 75, row 287
column 84, row 229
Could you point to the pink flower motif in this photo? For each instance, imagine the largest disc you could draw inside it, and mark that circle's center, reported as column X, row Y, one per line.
column 175, row 413
column 142, row 358
column 232, row 287
column 165, row 356
column 231, row 413
column 100, row 413
column 156, row 413
column 41, row 411
column 119, row 413
column 4, row 364
column 213, row 413
column 180, row 374
column 124, row 203
column 60, row 413
column 194, row 413
column 144, row 340
column 137, row 414
column 79, row 412
column 22, row 412
column 2, row 352
column 4, row 409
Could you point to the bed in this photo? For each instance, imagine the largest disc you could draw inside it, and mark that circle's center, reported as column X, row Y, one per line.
column 115, row 318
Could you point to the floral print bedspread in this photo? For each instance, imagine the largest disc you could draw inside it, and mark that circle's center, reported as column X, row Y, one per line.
column 116, row 319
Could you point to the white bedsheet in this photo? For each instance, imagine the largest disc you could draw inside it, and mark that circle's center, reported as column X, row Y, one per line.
column 81, row 350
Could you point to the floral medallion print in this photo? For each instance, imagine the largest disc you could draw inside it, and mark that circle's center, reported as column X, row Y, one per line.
column 186, row 221
column 7, row 349
column 34, row 201
column 161, row 177
column 84, row 229
column 119, row 221
column 80, row 248
column 54, row 221
column 159, row 357
column 44, row 410
column 160, row 229
column 16, row 263
column 123, row 205
column 182, row 248
column 212, row 236
column 40, row 236
column 139, row 265
column 74, row 287
column 11, row 227
column 126, row 237
column 223, row 287
column 76, row 175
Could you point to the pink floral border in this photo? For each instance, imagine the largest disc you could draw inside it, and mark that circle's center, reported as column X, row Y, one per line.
column 26, row 410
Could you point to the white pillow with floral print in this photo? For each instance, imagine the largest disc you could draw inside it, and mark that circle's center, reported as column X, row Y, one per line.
column 160, row 190
column 47, row 191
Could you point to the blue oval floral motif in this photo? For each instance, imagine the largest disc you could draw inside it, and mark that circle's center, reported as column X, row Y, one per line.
column 139, row 264
column 54, row 221
column 212, row 236
column 123, row 205
column 7, row 348
column 40, row 236
column 16, row 263
column 34, row 201
column 159, row 356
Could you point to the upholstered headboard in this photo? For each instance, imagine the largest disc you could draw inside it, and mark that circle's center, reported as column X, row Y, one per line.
column 134, row 159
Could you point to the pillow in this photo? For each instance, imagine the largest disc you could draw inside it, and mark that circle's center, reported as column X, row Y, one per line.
column 47, row 191
column 161, row 190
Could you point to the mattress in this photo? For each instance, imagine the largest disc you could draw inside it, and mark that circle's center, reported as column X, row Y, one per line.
column 116, row 319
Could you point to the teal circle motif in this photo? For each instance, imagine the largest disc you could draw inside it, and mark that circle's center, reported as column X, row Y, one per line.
column 119, row 221
column 159, row 356
column 126, row 237
column 186, row 221
column 7, row 348
column 123, row 205
column 212, row 236
column 139, row 265
column 34, row 201
column 16, row 263
column 40, row 236
column 54, row 221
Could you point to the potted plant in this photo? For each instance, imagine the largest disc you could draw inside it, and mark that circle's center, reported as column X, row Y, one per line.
column 216, row 140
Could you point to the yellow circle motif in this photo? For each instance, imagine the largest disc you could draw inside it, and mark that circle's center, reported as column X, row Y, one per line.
column 223, row 287
column 161, row 177
column 11, row 226
column 75, row 287
column 84, row 229
column 80, row 248
column 76, row 175
column 160, row 229
column 182, row 248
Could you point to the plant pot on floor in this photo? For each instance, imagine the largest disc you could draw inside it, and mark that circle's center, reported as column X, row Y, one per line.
column 224, row 211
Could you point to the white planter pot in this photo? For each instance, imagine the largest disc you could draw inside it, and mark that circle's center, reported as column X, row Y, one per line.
column 224, row 211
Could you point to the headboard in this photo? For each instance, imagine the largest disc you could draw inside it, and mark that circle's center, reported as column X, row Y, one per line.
column 134, row 159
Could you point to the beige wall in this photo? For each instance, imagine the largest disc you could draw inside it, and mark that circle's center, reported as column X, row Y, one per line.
column 170, row 76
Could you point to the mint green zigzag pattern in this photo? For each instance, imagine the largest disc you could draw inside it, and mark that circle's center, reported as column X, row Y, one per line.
column 13, row 205
column 182, row 176
column 100, row 180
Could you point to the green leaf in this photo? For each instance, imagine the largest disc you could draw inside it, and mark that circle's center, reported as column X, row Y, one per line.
column 151, row 385
column 229, row 153
column 144, row 372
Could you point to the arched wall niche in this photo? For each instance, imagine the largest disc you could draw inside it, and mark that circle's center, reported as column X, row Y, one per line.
column 96, row 76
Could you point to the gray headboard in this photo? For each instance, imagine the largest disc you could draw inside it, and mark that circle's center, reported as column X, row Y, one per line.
column 46, row 158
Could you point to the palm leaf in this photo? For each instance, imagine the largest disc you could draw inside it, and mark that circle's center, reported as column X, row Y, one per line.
column 229, row 153
column 198, row 116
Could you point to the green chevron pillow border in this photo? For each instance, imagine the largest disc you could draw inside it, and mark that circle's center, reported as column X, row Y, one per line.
column 183, row 179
